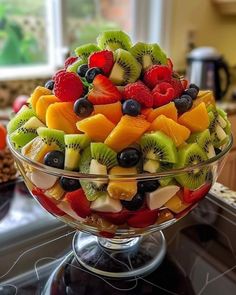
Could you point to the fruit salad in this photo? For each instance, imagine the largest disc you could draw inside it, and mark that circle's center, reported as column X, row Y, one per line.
column 120, row 112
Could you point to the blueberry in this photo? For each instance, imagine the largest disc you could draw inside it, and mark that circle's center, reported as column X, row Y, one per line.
column 55, row 159
column 183, row 103
column 135, row 204
column 82, row 69
column 191, row 92
column 131, row 107
column 148, row 186
column 69, row 184
column 83, row 107
column 50, row 84
column 92, row 73
column 194, row 86
column 128, row 157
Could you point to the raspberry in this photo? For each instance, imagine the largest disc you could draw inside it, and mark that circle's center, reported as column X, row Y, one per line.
column 70, row 60
column 163, row 93
column 68, row 86
column 157, row 74
column 178, row 87
column 139, row 92
column 103, row 60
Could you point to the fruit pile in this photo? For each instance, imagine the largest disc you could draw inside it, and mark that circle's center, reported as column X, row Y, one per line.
column 119, row 109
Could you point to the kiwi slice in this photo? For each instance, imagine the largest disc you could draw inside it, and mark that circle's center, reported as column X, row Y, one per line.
column 148, row 54
column 26, row 132
column 204, row 140
column 126, row 69
column 74, row 143
column 52, row 137
column 103, row 154
column 85, row 50
column 191, row 154
column 112, row 40
column 73, row 67
column 218, row 135
column 223, row 120
column 20, row 119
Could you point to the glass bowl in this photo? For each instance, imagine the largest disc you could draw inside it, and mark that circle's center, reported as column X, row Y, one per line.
column 123, row 241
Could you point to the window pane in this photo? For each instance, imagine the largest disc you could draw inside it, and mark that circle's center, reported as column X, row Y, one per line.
column 22, row 32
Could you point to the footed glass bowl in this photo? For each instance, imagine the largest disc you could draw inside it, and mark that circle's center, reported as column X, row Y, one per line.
column 117, row 238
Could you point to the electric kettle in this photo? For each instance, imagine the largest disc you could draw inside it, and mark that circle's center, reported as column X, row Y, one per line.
column 207, row 69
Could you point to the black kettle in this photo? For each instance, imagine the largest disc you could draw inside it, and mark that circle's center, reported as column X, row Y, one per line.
column 207, row 69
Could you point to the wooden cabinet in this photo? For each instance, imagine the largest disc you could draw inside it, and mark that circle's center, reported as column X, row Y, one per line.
column 227, row 7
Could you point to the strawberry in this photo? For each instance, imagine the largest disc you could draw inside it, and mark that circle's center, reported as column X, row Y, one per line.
column 102, row 59
column 139, row 92
column 157, row 74
column 163, row 93
column 79, row 203
column 68, row 86
column 178, row 87
column 194, row 196
column 143, row 218
column 115, row 218
column 103, row 91
column 70, row 60
column 47, row 203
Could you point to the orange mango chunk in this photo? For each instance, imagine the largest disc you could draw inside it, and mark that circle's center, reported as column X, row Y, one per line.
column 145, row 112
column 169, row 110
column 97, row 127
column 196, row 119
column 112, row 111
column 175, row 131
column 42, row 104
column 38, row 91
column 205, row 96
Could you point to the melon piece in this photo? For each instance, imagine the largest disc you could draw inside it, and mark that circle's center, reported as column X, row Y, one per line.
column 127, row 131
column 178, row 133
column 97, row 127
column 37, row 93
column 61, row 116
column 169, row 110
column 112, row 111
column 205, row 96
column 196, row 119
column 42, row 104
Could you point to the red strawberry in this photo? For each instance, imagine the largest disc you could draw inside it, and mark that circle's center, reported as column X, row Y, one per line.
column 115, row 218
column 79, row 203
column 163, row 93
column 68, row 86
column 103, row 60
column 170, row 64
column 103, row 92
column 157, row 74
column 178, row 87
column 139, row 92
column 194, row 196
column 70, row 60
column 143, row 218
column 47, row 203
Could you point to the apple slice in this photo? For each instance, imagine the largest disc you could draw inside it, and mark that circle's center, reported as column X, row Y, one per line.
column 42, row 180
column 106, row 204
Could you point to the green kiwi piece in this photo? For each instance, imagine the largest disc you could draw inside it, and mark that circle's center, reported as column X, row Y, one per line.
column 73, row 67
column 85, row 50
column 204, row 140
column 218, row 135
column 74, row 143
column 91, row 191
column 126, row 69
column 158, row 146
column 52, row 137
column 20, row 119
column 24, row 134
column 223, row 120
column 112, row 40
column 148, row 54
column 191, row 154
column 103, row 154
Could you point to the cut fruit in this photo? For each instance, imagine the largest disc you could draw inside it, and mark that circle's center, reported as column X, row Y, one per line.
column 79, row 203
column 37, row 93
column 143, row 218
column 178, row 133
column 194, row 196
column 112, row 111
column 190, row 155
column 164, row 216
column 112, row 40
column 146, row 111
column 97, row 127
column 42, row 180
column 115, row 218
column 120, row 189
column 151, row 166
column 126, row 69
column 196, row 119
column 52, row 137
column 42, row 104
column 99, row 169
column 160, row 196
column 176, row 204
column 169, row 110
column 61, row 116
column 126, row 132
column 103, row 154
column 20, row 119
column 85, row 50
column 74, row 67
column 205, row 96
column 106, row 204
column 218, row 135
column 74, row 143
column 55, row 192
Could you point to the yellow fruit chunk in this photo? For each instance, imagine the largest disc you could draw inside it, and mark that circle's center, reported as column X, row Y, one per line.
column 38, row 91
column 196, row 119
column 120, row 189
column 205, row 96
column 97, row 127
column 169, row 110
column 176, row 204
column 42, row 104
column 177, row 132
column 127, row 131
column 112, row 111
column 61, row 116
column 56, row 192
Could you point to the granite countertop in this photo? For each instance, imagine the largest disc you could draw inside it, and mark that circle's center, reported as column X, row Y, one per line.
column 224, row 194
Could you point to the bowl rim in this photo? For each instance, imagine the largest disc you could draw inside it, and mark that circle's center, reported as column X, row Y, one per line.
column 125, row 177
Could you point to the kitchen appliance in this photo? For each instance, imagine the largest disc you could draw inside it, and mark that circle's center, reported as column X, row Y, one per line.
column 207, row 69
